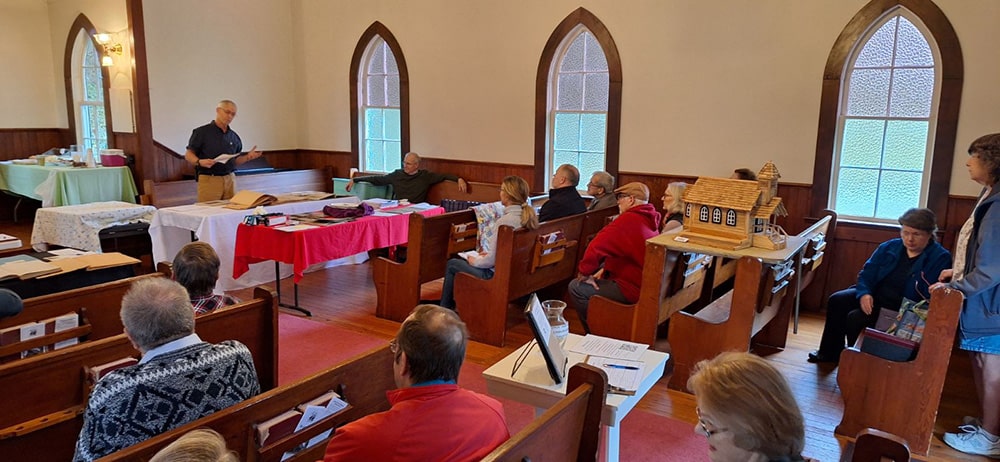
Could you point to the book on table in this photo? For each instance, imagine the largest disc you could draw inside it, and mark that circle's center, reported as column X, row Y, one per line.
column 249, row 199
column 9, row 242
column 25, row 267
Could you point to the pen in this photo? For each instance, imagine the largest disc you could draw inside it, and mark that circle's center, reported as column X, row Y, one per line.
column 619, row 366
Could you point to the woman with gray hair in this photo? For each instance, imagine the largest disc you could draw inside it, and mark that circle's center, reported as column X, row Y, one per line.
column 976, row 273
column 673, row 206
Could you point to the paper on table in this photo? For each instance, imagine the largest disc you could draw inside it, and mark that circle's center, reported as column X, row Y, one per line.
column 595, row 345
column 292, row 228
column 622, row 374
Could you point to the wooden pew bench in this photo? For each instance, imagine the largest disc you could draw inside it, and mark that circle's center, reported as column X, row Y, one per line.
column 97, row 308
column 522, row 267
column 431, row 243
column 901, row 398
column 45, row 395
column 185, row 192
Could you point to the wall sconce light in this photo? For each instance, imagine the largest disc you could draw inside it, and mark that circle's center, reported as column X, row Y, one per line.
column 109, row 48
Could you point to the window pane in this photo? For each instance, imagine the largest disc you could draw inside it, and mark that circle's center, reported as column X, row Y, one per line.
column 912, row 90
column 593, row 131
column 390, row 62
column 392, row 88
column 878, row 51
column 596, row 92
column 565, row 157
column 905, row 145
column 377, row 63
column 912, row 48
column 374, row 159
column 862, row 143
column 596, row 61
column 869, row 92
column 898, row 191
column 391, row 124
column 567, row 131
column 590, row 163
column 376, row 90
column 392, row 156
column 570, row 92
column 374, row 123
column 856, row 189
column 573, row 58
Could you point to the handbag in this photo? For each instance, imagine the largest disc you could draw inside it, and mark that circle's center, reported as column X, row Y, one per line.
column 911, row 320
column 362, row 210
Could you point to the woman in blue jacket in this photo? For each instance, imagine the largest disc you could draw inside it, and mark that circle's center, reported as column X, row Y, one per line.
column 976, row 273
column 901, row 267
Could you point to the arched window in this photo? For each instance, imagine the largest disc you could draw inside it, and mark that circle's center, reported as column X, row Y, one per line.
column 379, row 101
column 578, row 99
column 731, row 218
column 888, row 113
column 703, row 214
column 716, row 215
column 87, row 89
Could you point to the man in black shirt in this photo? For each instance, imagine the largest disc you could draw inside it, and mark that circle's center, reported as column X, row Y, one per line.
column 215, row 178
column 564, row 199
column 410, row 182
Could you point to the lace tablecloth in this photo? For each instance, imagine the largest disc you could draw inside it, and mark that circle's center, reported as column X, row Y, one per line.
column 77, row 226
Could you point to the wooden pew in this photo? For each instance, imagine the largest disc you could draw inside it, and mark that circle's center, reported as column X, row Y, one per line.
column 521, row 268
column 361, row 381
column 901, row 397
column 593, row 222
column 397, row 285
column 45, row 396
column 477, row 191
column 184, row 192
column 670, row 282
column 98, row 307
column 569, row 430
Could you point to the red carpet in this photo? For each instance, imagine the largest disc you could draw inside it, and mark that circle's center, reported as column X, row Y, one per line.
column 306, row 347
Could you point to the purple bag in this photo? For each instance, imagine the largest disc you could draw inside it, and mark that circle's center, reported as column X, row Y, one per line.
column 362, row 210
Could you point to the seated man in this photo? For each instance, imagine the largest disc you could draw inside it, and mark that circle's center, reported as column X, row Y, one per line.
column 10, row 303
column 196, row 267
column 564, row 199
column 179, row 379
column 409, row 182
column 601, row 187
column 431, row 417
column 617, row 252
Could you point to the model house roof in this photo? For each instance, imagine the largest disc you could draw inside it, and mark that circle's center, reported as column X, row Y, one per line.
column 768, row 172
column 733, row 194
column 775, row 207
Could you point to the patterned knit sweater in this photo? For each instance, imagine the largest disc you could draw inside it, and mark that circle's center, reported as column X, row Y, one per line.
column 134, row 403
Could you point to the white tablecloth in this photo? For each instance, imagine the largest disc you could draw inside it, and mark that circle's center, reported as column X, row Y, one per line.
column 172, row 226
column 77, row 226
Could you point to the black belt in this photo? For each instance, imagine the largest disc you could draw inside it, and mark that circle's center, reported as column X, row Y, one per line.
column 215, row 174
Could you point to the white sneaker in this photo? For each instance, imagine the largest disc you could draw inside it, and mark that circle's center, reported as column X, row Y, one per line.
column 973, row 443
column 970, row 424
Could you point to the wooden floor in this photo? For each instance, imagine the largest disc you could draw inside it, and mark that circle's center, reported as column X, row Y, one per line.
column 345, row 296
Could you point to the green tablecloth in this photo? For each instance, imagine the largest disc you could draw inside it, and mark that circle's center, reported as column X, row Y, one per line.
column 68, row 186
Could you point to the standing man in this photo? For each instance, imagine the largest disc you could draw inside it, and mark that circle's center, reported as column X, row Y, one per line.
column 619, row 249
column 410, row 182
column 601, row 188
column 431, row 417
column 564, row 199
column 216, row 179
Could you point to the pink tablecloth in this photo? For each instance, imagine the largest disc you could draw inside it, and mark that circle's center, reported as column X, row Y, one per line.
column 306, row 247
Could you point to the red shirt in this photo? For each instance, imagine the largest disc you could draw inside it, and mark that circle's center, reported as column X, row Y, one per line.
column 425, row 423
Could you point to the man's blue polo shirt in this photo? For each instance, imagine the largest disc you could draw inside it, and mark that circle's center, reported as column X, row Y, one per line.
column 208, row 141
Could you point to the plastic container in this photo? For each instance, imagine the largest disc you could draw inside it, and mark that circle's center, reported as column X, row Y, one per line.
column 113, row 158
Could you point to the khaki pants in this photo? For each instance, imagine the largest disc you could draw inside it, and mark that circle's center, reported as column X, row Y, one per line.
column 213, row 188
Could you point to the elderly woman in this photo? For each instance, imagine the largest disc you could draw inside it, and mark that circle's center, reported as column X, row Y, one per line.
column 673, row 206
column 517, row 213
column 746, row 410
column 976, row 273
column 900, row 267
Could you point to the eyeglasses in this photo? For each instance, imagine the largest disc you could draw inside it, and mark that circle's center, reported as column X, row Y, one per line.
column 704, row 425
column 592, row 185
column 394, row 346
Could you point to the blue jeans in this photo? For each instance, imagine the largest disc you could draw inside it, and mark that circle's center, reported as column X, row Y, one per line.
column 455, row 266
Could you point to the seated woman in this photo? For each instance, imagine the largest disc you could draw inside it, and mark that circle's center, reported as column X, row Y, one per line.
column 196, row 267
column 901, row 267
column 517, row 213
column 673, row 206
column 746, row 410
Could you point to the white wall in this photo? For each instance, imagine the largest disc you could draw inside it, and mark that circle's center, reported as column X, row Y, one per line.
column 200, row 52
column 28, row 97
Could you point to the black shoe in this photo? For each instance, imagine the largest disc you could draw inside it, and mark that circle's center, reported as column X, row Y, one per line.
column 817, row 357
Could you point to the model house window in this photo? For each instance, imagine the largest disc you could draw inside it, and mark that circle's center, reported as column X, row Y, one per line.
column 758, row 225
column 687, row 210
column 716, row 215
column 731, row 218
column 703, row 215
column 88, row 94
column 886, row 119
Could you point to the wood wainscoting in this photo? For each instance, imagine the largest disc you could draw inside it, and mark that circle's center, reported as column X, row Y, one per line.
column 18, row 143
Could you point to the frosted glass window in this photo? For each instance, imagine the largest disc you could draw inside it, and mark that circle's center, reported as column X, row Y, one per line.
column 91, row 117
column 579, row 93
column 891, row 85
column 731, row 218
column 380, row 129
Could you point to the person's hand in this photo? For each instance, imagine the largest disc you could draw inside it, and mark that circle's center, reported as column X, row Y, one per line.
column 254, row 153
column 350, row 184
column 462, row 185
column 937, row 285
column 206, row 163
column 946, row 275
column 867, row 303
column 589, row 280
